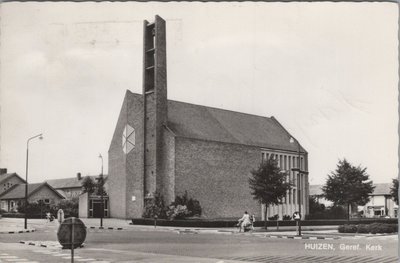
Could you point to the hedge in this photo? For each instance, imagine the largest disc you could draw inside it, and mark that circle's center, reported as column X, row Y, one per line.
column 371, row 228
column 232, row 223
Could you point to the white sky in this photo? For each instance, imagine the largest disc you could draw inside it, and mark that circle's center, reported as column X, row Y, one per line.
column 327, row 71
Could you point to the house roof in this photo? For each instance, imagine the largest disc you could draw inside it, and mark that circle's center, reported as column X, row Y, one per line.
column 72, row 182
column 7, row 176
column 315, row 190
column 18, row 191
column 212, row 124
column 380, row 189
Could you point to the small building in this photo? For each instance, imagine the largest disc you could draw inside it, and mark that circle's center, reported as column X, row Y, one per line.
column 381, row 203
column 7, row 180
column 15, row 195
column 71, row 187
column 90, row 206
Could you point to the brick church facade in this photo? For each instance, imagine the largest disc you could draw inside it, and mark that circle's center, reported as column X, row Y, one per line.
column 172, row 147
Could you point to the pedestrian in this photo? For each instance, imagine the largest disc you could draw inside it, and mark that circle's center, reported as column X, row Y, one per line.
column 60, row 215
column 253, row 219
column 48, row 216
column 244, row 222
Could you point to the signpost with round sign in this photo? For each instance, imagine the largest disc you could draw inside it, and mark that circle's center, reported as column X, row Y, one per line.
column 71, row 234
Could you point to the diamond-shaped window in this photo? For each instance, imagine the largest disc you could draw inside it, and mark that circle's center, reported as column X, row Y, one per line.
column 128, row 139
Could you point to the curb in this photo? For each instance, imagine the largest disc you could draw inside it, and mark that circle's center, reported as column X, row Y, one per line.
column 18, row 232
column 105, row 228
column 302, row 237
column 40, row 244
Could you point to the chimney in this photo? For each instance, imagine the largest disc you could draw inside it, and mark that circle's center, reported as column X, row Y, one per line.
column 3, row 170
column 79, row 176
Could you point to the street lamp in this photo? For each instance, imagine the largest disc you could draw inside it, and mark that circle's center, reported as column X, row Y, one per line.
column 300, row 172
column 40, row 136
column 101, row 181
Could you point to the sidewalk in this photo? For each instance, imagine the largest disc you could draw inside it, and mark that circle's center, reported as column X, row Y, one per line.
column 14, row 226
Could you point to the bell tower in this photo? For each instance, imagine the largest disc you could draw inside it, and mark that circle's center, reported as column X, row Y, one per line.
column 154, row 102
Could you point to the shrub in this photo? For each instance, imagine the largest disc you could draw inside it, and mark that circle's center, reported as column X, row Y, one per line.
column 192, row 205
column 347, row 229
column 286, row 217
column 273, row 218
column 362, row 228
column 371, row 228
column 177, row 212
column 334, row 212
column 155, row 207
column 382, row 228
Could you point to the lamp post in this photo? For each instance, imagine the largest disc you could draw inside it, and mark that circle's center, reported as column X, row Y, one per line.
column 300, row 172
column 101, row 181
column 40, row 136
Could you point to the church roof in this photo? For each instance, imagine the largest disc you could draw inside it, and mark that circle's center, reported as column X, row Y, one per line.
column 206, row 123
column 219, row 125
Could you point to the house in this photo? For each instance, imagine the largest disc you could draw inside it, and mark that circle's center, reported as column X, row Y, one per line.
column 381, row 203
column 316, row 192
column 170, row 147
column 7, row 180
column 71, row 187
column 15, row 195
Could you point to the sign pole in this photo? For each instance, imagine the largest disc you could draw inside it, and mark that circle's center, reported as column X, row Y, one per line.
column 72, row 239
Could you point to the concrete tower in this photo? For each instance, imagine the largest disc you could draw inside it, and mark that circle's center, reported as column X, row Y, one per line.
column 154, row 103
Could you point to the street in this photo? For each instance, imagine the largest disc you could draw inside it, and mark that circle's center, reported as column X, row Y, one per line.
column 138, row 244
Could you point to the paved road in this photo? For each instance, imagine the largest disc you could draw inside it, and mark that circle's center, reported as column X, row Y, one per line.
column 170, row 246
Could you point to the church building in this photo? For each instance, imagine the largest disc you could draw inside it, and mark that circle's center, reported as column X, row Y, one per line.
column 172, row 147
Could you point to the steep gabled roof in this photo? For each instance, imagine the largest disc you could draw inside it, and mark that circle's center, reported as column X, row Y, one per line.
column 18, row 191
column 7, row 176
column 206, row 123
column 382, row 189
column 72, row 182
column 219, row 125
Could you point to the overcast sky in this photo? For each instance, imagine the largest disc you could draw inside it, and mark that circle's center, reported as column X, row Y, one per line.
column 327, row 71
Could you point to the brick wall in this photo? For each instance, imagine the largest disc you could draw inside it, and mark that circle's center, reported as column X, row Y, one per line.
column 134, row 159
column 217, row 175
column 125, row 179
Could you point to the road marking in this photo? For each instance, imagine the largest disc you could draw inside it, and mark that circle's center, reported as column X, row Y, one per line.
column 17, row 260
column 7, row 257
column 59, row 255
column 86, row 259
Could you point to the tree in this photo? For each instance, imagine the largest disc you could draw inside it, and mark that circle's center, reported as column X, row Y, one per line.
column 394, row 191
column 99, row 186
column 88, row 185
column 348, row 185
column 268, row 184
column 315, row 206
